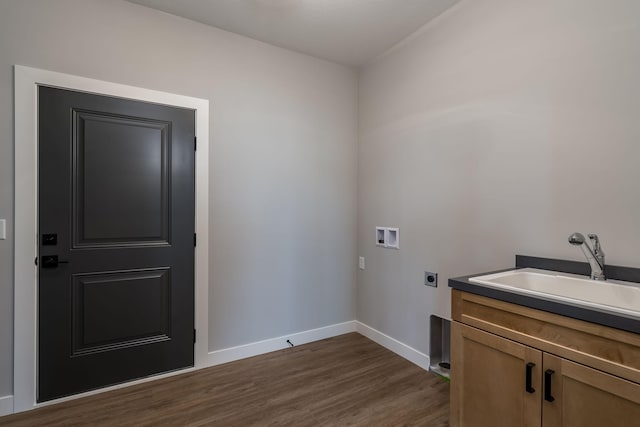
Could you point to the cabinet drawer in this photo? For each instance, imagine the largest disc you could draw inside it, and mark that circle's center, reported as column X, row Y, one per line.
column 607, row 349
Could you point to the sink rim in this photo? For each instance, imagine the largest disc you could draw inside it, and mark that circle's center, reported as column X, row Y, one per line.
column 485, row 280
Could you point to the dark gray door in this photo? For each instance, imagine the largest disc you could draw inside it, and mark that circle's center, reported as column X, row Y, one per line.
column 116, row 240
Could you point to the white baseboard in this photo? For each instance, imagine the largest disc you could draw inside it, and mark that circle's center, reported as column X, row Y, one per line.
column 399, row 348
column 261, row 347
column 6, row 405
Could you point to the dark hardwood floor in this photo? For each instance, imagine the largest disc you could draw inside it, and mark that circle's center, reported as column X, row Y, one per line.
column 342, row 381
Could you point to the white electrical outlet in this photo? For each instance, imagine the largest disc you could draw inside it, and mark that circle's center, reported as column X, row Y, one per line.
column 361, row 263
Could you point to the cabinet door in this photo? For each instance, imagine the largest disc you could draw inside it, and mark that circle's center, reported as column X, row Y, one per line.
column 584, row 397
column 489, row 380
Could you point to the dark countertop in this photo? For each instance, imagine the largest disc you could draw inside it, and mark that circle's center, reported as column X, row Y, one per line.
column 590, row 315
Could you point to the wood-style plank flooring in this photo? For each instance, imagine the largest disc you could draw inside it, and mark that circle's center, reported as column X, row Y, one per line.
column 342, row 381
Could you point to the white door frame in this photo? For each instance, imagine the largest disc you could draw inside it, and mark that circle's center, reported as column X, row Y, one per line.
column 26, row 83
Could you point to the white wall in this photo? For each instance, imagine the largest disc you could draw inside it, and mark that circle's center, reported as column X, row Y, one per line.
column 283, row 156
column 499, row 129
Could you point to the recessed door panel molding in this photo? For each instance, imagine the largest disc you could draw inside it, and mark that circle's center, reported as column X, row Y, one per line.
column 106, row 309
column 121, row 180
column 586, row 397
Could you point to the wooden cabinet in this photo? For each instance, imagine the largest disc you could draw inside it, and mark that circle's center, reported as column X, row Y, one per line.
column 515, row 366
column 488, row 380
column 586, row 397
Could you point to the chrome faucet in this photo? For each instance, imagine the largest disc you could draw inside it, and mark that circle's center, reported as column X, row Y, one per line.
column 595, row 256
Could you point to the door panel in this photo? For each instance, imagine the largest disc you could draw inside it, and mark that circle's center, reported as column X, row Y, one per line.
column 585, row 397
column 116, row 188
column 97, row 295
column 121, row 169
column 489, row 380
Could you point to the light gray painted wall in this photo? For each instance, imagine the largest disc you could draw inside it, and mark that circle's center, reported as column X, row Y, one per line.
column 283, row 156
column 498, row 130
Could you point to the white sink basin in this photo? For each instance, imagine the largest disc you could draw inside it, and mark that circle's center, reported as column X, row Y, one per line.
column 611, row 296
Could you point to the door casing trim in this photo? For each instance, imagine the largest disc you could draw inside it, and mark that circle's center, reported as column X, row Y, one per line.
column 26, row 82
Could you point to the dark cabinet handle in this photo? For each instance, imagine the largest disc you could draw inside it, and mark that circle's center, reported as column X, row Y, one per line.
column 547, row 385
column 529, row 371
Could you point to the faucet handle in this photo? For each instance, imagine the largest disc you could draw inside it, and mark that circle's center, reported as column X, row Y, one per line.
column 595, row 241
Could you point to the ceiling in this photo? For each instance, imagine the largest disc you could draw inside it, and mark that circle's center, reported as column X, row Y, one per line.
column 350, row 32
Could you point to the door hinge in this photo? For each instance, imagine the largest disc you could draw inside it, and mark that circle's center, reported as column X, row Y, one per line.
column 194, row 239
column 36, row 261
column 195, row 143
column 194, row 336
